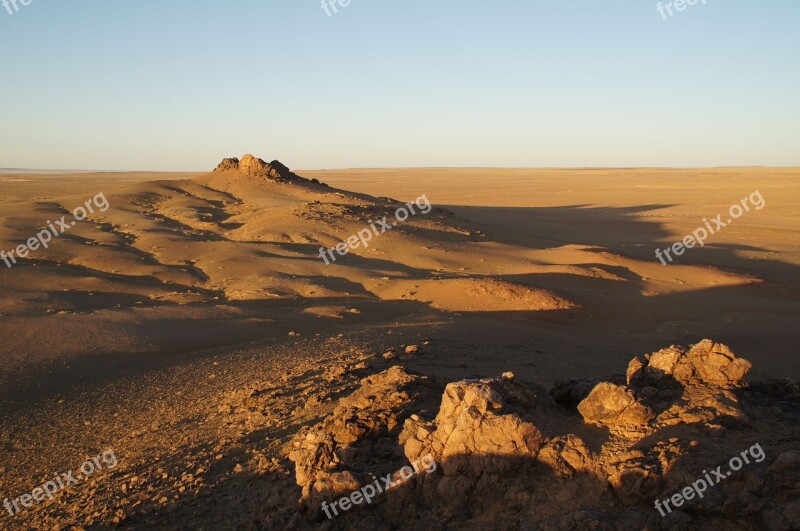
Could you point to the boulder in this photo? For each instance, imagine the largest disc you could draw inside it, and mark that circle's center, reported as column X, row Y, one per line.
column 615, row 407
column 706, row 363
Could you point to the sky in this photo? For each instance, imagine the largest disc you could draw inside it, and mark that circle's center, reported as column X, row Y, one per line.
column 180, row 84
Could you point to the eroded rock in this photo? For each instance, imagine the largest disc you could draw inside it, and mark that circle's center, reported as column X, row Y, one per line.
column 507, row 457
column 256, row 167
column 360, row 437
column 706, row 363
column 615, row 407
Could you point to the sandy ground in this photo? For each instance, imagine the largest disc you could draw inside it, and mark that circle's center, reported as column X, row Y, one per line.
column 135, row 326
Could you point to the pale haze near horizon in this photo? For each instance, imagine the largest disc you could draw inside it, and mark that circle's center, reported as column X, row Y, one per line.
column 177, row 86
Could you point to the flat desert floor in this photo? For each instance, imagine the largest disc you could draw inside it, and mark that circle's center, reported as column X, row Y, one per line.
column 136, row 327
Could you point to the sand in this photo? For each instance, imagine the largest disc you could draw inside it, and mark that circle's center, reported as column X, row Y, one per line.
column 134, row 325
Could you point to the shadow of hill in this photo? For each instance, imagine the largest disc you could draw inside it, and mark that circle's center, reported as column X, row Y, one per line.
column 619, row 230
column 544, row 227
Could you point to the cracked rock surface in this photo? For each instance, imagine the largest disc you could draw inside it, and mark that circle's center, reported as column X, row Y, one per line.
column 509, row 456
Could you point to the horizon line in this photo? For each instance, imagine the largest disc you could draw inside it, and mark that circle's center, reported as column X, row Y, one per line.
column 365, row 168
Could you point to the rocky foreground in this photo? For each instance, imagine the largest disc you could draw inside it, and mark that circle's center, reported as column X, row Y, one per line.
column 586, row 455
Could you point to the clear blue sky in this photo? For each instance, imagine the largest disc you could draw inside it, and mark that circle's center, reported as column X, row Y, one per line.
column 179, row 84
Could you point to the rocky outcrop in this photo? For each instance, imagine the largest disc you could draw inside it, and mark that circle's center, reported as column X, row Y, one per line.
column 231, row 164
column 471, row 416
column 255, row 167
column 480, row 435
column 706, row 363
column 669, row 387
column 336, row 456
column 510, row 457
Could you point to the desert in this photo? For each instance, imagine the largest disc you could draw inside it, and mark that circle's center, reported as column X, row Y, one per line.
column 399, row 266
column 192, row 328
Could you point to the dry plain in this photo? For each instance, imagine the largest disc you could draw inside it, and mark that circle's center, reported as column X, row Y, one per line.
column 136, row 327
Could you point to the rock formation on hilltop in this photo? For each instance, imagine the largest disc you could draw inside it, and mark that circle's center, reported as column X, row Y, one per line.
column 255, row 167
column 513, row 456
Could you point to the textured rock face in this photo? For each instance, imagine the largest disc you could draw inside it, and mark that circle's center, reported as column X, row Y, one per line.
column 670, row 387
column 334, row 457
column 250, row 165
column 509, row 457
column 255, row 167
column 615, row 406
column 231, row 164
column 704, row 363
column 474, row 421
column 484, row 433
column 567, row 456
